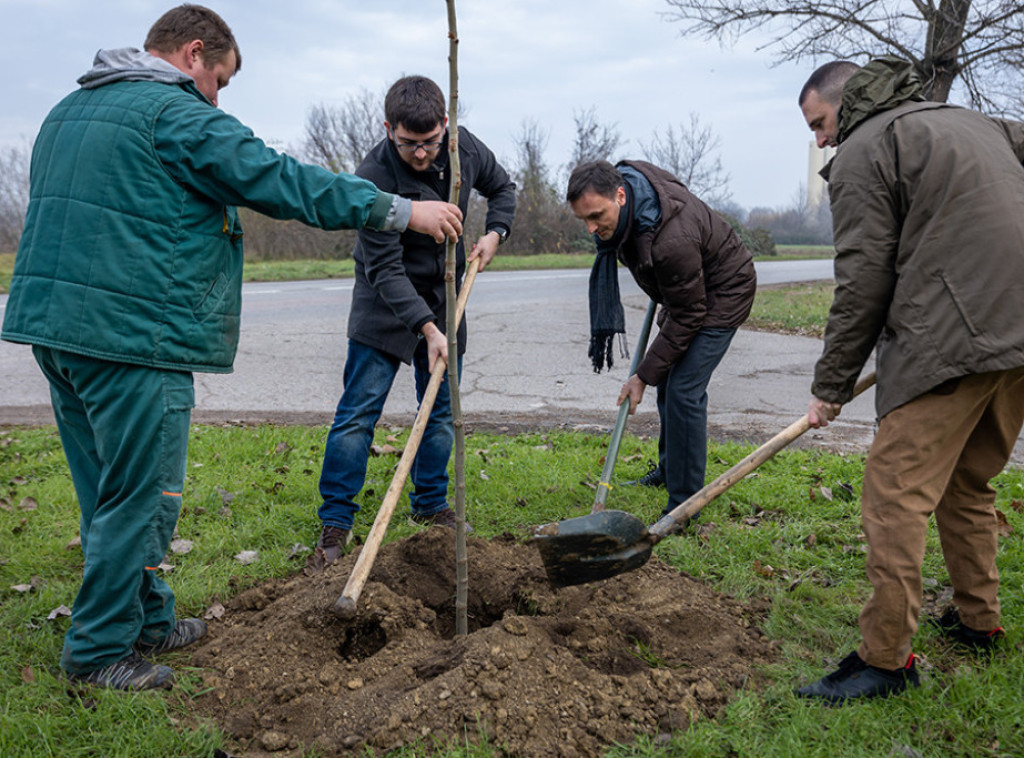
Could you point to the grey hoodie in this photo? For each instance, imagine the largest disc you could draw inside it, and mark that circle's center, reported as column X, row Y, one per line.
column 129, row 64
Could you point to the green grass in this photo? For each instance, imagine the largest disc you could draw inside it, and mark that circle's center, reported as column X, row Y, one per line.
column 792, row 308
column 776, row 538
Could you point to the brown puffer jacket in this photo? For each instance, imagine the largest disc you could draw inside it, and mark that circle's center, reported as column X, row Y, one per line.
column 693, row 264
column 928, row 213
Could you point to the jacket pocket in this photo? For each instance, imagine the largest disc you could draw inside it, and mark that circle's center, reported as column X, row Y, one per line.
column 959, row 307
column 213, row 297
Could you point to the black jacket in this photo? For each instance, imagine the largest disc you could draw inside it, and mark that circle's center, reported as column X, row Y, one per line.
column 399, row 284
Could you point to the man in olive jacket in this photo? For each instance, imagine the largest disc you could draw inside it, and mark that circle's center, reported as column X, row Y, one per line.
column 927, row 203
column 127, row 279
column 688, row 259
column 398, row 308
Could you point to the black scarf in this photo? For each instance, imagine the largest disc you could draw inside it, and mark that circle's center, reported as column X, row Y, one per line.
column 606, row 315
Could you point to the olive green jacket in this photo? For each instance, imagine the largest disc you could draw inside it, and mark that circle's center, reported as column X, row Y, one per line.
column 928, row 214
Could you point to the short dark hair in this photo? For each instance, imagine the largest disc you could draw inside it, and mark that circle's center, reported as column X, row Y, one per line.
column 594, row 176
column 828, row 81
column 187, row 22
column 416, row 103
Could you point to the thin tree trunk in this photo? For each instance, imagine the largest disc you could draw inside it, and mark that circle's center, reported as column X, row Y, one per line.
column 461, row 563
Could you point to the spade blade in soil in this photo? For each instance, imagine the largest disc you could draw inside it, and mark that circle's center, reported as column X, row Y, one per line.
column 589, row 548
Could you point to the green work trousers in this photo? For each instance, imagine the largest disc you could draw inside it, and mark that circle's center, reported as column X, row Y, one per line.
column 124, row 429
column 936, row 454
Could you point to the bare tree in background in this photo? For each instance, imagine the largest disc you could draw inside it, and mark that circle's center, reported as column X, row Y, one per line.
column 691, row 153
column 339, row 137
column 594, row 141
column 952, row 43
column 14, row 167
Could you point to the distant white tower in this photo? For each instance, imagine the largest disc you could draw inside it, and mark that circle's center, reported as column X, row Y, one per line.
column 817, row 190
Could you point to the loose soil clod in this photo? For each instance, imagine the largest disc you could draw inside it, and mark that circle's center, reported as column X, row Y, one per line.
column 542, row 672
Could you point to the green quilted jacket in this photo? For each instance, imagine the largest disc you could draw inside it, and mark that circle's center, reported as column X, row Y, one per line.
column 132, row 250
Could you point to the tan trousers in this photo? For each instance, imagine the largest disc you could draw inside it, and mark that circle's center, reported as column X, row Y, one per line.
column 936, row 454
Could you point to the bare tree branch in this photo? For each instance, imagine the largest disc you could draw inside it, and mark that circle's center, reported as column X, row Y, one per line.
column 977, row 47
column 691, row 154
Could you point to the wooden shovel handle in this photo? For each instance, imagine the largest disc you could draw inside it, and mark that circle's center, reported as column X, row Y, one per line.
column 345, row 606
column 696, row 502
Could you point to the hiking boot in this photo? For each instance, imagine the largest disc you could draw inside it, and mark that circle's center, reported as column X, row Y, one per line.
column 856, row 679
column 951, row 626
column 332, row 543
column 185, row 632
column 655, row 477
column 131, row 673
column 441, row 518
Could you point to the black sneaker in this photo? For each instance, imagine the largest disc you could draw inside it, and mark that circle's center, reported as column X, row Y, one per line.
column 185, row 632
column 131, row 673
column 856, row 679
column 441, row 518
column 951, row 626
column 332, row 543
column 655, row 477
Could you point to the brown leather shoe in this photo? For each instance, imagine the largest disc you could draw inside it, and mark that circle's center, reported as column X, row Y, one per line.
column 332, row 543
column 441, row 518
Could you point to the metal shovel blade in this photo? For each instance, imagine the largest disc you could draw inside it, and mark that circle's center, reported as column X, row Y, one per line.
column 588, row 548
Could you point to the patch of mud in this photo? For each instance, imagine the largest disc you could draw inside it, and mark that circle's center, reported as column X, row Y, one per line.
column 542, row 672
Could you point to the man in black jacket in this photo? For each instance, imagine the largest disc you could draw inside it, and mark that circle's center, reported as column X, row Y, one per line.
column 398, row 307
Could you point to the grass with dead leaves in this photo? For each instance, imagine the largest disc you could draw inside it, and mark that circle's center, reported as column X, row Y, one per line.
column 788, row 536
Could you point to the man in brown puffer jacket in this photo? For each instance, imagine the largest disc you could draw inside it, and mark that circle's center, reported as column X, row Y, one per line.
column 688, row 259
column 927, row 202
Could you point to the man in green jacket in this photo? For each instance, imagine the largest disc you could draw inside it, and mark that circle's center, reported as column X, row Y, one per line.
column 127, row 279
column 927, row 203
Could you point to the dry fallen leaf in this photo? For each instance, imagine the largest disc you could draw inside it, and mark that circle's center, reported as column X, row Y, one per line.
column 483, row 475
column 28, row 675
column 763, row 569
column 23, row 588
column 826, row 492
column 28, row 504
column 1005, row 530
column 282, row 447
column 76, row 542
column 181, row 547
column 215, row 611
column 60, row 610
column 247, row 556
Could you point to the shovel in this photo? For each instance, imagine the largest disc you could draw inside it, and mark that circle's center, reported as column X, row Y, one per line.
column 608, row 543
column 345, row 606
column 605, row 485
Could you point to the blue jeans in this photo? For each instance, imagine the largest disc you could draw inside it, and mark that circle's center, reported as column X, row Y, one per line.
column 369, row 374
column 683, row 412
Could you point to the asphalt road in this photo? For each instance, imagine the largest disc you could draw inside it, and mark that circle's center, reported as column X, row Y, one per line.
column 526, row 367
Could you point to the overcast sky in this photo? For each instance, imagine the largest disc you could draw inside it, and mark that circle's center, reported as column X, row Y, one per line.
column 518, row 59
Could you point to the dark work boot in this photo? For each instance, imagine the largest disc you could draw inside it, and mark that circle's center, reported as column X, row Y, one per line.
column 131, row 673
column 951, row 626
column 655, row 477
column 185, row 632
column 856, row 679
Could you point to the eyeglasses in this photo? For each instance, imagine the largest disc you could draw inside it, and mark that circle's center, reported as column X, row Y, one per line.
column 412, row 147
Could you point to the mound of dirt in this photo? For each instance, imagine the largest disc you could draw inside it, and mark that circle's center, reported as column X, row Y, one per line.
column 542, row 671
